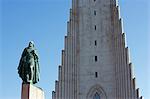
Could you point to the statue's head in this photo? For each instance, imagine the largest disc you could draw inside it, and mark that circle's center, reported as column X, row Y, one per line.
column 31, row 44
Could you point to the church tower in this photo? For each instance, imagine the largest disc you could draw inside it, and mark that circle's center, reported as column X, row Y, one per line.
column 95, row 60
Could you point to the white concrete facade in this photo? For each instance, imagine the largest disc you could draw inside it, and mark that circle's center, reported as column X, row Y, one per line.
column 95, row 59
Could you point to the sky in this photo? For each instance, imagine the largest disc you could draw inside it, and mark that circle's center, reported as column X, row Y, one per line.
column 45, row 23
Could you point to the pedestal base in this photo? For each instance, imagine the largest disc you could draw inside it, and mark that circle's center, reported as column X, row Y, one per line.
column 30, row 91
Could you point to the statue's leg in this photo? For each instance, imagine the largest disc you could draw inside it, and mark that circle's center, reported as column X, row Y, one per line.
column 31, row 71
column 28, row 78
column 26, row 74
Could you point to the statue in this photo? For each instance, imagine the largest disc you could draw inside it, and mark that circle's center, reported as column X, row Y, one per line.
column 28, row 68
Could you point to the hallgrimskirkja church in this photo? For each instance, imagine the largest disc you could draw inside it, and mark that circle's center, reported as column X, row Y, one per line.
column 95, row 60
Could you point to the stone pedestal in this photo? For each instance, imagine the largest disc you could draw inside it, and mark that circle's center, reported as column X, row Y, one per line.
column 30, row 91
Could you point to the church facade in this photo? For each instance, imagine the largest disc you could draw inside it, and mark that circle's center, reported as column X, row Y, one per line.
column 95, row 60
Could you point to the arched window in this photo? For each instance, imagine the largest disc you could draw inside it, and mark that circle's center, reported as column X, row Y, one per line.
column 96, row 96
column 96, row 92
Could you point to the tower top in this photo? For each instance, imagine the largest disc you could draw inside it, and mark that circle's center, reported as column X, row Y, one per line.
column 75, row 3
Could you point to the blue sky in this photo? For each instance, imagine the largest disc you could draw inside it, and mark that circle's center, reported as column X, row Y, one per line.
column 44, row 22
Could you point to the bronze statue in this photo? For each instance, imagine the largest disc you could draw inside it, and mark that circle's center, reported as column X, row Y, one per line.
column 28, row 68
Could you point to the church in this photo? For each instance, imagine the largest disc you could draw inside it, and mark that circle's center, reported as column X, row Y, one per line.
column 95, row 60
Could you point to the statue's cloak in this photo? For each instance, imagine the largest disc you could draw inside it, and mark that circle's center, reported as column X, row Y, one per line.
column 24, row 68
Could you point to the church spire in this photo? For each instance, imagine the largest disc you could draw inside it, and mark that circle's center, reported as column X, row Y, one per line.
column 95, row 58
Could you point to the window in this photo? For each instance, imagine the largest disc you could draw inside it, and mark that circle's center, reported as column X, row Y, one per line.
column 95, row 42
column 95, row 27
column 94, row 12
column 96, row 74
column 95, row 58
column 96, row 96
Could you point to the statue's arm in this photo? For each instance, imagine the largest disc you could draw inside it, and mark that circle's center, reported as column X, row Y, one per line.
column 35, row 54
column 36, row 59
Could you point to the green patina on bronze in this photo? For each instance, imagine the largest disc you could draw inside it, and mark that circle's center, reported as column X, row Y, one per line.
column 28, row 68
